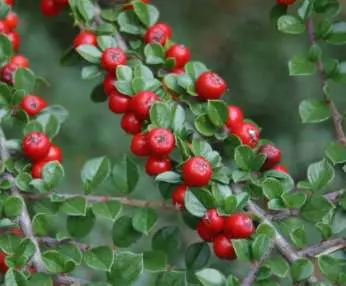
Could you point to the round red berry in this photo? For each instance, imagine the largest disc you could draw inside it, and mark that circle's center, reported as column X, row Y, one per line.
column 281, row 168
column 54, row 154
column 11, row 20
column 160, row 33
column 112, row 57
column 85, row 38
column 213, row 221
column 223, row 248
column 33, row 104
column 178, row 197
column 17, row 232
column 61, row 3
column 21, row 61
column 139, row 145
column 248, row 133
column 37, row 168
column 155, row 166
column 204, row 232
column 7, row 73
column 36, row 146
column 3, row 27
column 285, row 2
column 210, row 85
column 238, row 225
column 49, row 8
column 130, row 123
column 9, row 2
column 235, row 117
column 3, row 264
column 108, row 84
column 197, row 172
column 161, row 142
column 142, row 102
column 14, row 38
column 180, row 53
column 273, row 156
column 118, row 103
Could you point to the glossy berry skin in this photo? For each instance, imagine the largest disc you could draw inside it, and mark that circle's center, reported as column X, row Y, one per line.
column 285, row 2
column 178, row 197
column 37, row 168
column 130, row 123
column 61, row 3
column 118, row 104
column 161, row 142
column 155, row 166
column 139, row 145
column 3, row 27
column 21, row 61
column 248, row 133
column 281, row 168
column 3, row 265
column 14, row 38
column 9, row 2
column 159, row 33
column 36, row 146
column 204, row 232
column 197, row 172
column 85, row 38
column 142, row 102
column 50, row 8
column 108, row 84
column 113, row 57
column 273, row 156
column 33, row 104
column 235, row 117
column 180, row 53
column 54, row 154
column 7, row 73
column 210, row 85
column 238, row 225
column 223, row 248
column 213, row 222
column 11, row 20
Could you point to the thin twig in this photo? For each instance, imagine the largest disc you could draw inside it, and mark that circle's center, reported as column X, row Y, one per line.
column 69, row 280
column 325, row 246
column 52, row 242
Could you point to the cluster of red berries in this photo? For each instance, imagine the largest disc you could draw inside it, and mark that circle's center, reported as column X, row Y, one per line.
column 8, row 26
column 285, row 2
column 53, row 7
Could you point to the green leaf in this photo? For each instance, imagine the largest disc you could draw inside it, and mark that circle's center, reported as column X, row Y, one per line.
column 6, row 49
column 99, row 258
column 261, row 246
column 290, row 25
column 337, row 35
column 302, row 269
column 125, row 175
column 195, row 69
column 276, row 204
column 147, row 14
column 144, row 220
column 123, row 232
column 52, row 174
column 15, row 278
column 294, row 200
column 129, row 23
column 336, row 152
column 194, row 205
column 242, row 249
column 126, row 268
column 154, row 261
column 211, row 277
column 320, row 175
column 178, row 119
column 315, row 209
column 305, row 9
column 13, row 206
column 205, row 126
column 314, row 111
column 331, row 266
column 169, row 177
column 56, row 262
column 160, row 115
column 197, row 255
column 58, row 111
column 90, row 53
column 86, row 8
column 246, row 158
column 278, row 266
column 301, row 66
column 298, row 236
column 75, row 206
column 50, row 124
column 217, row 112
column 330, row 8
column 81, row 226
column 124, row 73
column 232, row 281
column 40, row 279
column 95, row 172
column 22, row 181
column 91, row 72
column 171, row 278
column 167, row 239
column 154, row 54
column 272, row 188
column 204, row 149
column 24, row 79
column 106, row 41
column 339, row 217
column 108, row 210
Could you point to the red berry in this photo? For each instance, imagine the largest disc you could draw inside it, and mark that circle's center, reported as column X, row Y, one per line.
column 118, row 103
column 139, row 145
column 178, row 197
column 11, row 20
column 197, row 172
column 285, row 2
column 130, row 6
column 54, row 154
column 210, row 85
column 14, row 39
column 161, row 142
column 142, row 102
column 238, row 225
column 20, row 61
column 9, row 2
column 33, row 104
column 49, row 8
column 281, row 168
column 213, row 221
column 223, row 248
column 108, row 84
column 17, row 232
column 248, row 133
column 160, row 33
column 85, row 38
column 204, row 232
column 3, row 265
column 130, row 124
column 3, row 27
column 155, row 166
column 112, row 57
column 7, row 73
column 36, row 146
column 180, row 53
column 61, row 3
column 273, row 156
column 37, row 168
column 178, row 71
column 235, row 117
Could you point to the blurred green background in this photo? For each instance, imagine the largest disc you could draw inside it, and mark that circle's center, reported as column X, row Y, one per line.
column 235, row 38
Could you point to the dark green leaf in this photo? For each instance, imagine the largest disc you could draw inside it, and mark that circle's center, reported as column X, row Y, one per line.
column 217, row 112
column 294, row 199
column 320, row 175
column 160, row 115
column 13, row 206
column 129, row 23
column 52, row 174
column 144, row 220
column 107, row 210
column 171, row 278
column 24, row 79
column 123, row 232
column 95, row 172
column 301, row 66
column 147, row 14
column 314, row 111
column 125, row 175
column 90, row 53
column 197, row 255
column 80, row 226
column 278, row 266
column 337, row 35
column 316, row 208
column 167, row 239
column 336, row 152
column 154, row 54
column 302, row 269
column 99, row 258
column 74, row 206
column 154, row 261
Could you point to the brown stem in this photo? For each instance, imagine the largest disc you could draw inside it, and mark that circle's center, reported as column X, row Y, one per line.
column 52, row 242
column 69, row 280
column 316, row 249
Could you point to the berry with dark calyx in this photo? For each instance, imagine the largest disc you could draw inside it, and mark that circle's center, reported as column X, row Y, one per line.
column 161, row 142
column 9, row 2
column 85, row 38
column 3, row 264
column 156, row 166
column 281, row 168
column 210, row 85
column 108, row 84
column 50, row 8
column 235, row 117
column 285, row 2
column 36, row 146
column 3, row 27
column 248, row 133
column 142, row 102
column 178, row 197
column 159, row 33
column 223, row 248
column 20, row 60
column 180, row 53
column 33, row 104
column 139, row 145
column 273, row 156
column 7, row 73
column 11, row 20
column 131, row 124
column 14, row 38
column 113, row 57
column 238, row 225
column 54, row 154
column 197, row 172
column 118, row 104
column 37, row 168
